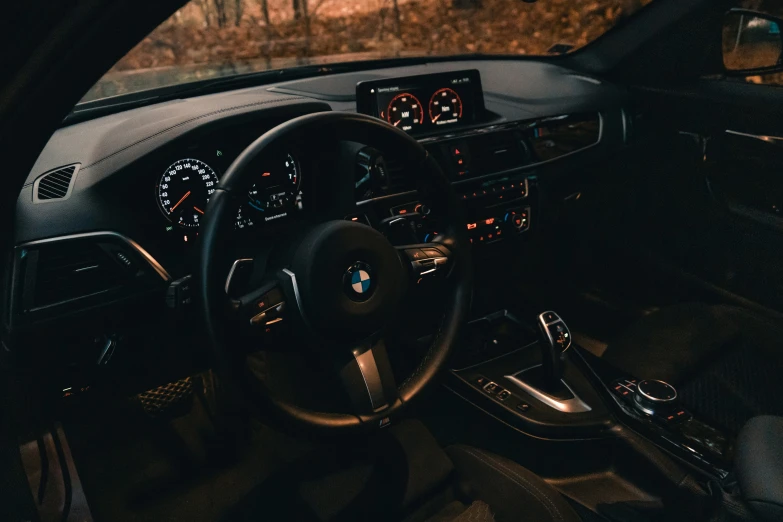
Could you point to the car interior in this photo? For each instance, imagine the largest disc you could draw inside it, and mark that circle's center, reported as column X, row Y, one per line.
column 459, row 288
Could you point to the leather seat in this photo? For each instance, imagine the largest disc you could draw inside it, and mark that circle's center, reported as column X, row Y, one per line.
column 759, row 466
column 724, row 361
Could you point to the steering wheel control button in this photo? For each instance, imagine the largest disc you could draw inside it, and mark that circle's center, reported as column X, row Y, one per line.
column 259, row 319
column 415, row 254
column 359, row 281
column 270, row 315
column 426, row 261
column 269, row 299
column 432, row 253
column 654, row 397
column 178, row 294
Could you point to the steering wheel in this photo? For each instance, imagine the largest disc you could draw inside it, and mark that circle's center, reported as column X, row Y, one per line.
column 341, row 283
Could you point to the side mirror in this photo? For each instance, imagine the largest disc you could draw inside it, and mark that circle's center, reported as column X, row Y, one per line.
column 752, row 43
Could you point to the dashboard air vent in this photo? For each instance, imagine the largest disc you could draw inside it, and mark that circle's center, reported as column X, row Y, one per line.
column 70, row 271
column 55, row 184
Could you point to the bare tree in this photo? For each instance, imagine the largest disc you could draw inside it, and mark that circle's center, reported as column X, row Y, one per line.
column 297, row 5
column 267, row 49
column 206, row 11
column 265, row 12
column 220, row 12
column 397, row 24
column 307, row 28
column 239, row 9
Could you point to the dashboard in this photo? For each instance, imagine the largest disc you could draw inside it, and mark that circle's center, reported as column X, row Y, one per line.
column 111, row 210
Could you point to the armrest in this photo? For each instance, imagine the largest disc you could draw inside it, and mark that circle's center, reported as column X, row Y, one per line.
column 759, row 466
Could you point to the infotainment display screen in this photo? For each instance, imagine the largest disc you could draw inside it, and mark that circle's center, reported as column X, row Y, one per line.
column 424, row 104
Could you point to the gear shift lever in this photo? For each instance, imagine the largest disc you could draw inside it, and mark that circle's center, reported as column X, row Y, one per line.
column 555, row 340
column 545, row 382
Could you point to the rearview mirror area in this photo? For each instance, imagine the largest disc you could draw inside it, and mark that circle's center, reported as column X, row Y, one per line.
column 752, row 42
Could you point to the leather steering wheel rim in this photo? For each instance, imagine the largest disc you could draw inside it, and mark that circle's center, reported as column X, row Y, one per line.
column 218, row 218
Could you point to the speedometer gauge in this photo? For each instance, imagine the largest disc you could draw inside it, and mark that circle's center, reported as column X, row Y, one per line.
column 184, row 190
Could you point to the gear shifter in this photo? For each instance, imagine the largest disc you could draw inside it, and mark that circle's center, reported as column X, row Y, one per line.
column 545, row 381
column 555, row 340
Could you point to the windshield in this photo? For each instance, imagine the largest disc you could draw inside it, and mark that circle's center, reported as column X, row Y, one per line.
column 218, row 38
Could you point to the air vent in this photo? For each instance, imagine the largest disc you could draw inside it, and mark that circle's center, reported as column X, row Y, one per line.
column 55, row 184
column 497, row 152
column 71, row 271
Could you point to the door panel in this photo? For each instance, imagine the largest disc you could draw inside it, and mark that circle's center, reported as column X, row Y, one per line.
column 711, row 185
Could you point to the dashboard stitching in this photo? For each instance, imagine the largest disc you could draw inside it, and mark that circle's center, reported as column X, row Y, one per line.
column 191, row 120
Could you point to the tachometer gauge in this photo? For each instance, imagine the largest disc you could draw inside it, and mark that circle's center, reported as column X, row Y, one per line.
column 274, row 194
column 445, row 107
column 184, row 190
column 405, row 111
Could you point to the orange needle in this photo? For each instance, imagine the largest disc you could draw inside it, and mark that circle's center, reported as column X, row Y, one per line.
column 180, row 201
column 198, row 210
column 436, row 117
column 397, row 123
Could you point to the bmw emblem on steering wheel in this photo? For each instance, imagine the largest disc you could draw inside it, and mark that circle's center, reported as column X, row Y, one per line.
column 359, row 281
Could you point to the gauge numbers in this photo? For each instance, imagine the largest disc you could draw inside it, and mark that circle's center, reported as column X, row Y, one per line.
column 445, row 107
column 274, row 193
column 405, row 111
column 184, row 190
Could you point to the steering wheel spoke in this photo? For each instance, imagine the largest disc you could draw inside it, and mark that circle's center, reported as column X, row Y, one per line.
column 368, row 379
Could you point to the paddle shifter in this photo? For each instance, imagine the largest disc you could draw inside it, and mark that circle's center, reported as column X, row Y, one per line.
column 555, row 340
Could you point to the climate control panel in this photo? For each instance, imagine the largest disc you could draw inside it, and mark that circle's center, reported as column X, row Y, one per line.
column 500, row 225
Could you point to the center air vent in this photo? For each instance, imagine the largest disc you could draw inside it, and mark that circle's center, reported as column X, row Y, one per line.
column 55, row 184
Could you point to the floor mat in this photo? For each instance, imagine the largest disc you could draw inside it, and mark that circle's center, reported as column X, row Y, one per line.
column 737, row 385
column 142, row 469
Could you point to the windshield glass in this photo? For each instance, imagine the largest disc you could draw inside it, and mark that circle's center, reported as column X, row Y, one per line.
column 218, row 38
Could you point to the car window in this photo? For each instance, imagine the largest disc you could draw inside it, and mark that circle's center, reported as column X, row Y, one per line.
column 770, row 7
column 216, row 38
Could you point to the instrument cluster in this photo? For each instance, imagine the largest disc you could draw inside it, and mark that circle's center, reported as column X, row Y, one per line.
column 274, row 193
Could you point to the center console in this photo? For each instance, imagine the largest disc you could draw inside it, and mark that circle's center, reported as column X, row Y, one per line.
column 653, row 408
column 546, row 386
